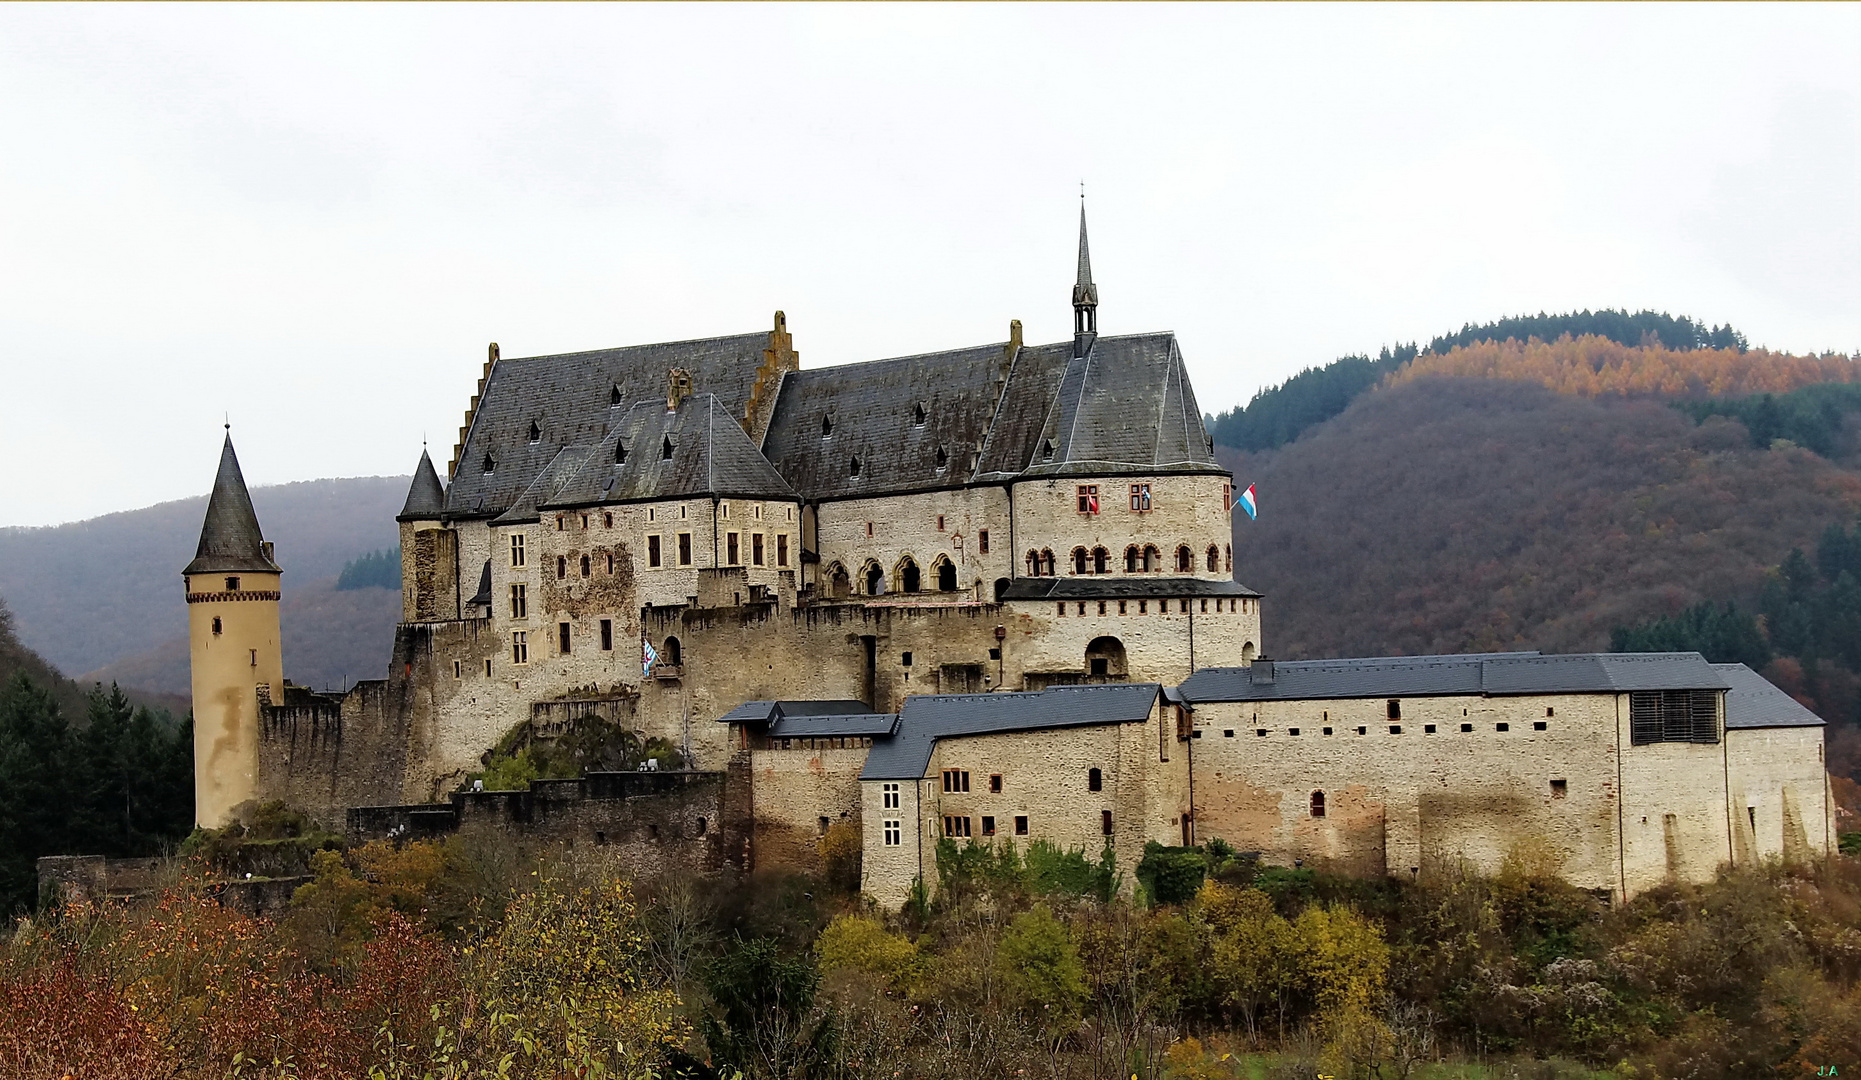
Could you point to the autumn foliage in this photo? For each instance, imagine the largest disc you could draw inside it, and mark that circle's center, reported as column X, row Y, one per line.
column 1592, row 366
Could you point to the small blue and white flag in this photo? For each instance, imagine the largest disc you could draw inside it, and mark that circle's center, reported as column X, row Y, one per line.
column 648, row 657
column 1247, row 502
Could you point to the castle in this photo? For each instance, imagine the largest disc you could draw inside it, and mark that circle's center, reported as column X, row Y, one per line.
column 984, row 593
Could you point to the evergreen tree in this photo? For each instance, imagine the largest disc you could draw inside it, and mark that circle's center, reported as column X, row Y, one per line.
column 36, row 796
column 1719, row 632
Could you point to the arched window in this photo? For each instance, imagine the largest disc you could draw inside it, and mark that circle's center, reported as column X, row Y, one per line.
column 1079, row 560
column 1318, row 804
column 1095, row 780
column 875, row 580
column 946, row 576
column 827, row 427
column 1101, row 561
column 1153, row 559
column 1033, row 563
column 1247, row 653
column 489, row 464
column 620, row 453
column 665, row 448
column 1185, row 559
column 918, row 414
column 673, row 655
column 853, row 467
column 536, row 432
column 1132, row 557
column 839, row 582
column 216, row 625
column 1105, row 658
column 1001, row 589
column 943, row 458
column 1227, row 557
column 562, row 567
column 1214, row 558
column 1046, row 562
column 908, row 575
column 584, row 566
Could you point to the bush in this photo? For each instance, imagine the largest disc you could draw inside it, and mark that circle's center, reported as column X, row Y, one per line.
column 1171, row 875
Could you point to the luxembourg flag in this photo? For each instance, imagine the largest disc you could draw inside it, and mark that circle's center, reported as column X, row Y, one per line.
column 648, row 656
column 1247, row 502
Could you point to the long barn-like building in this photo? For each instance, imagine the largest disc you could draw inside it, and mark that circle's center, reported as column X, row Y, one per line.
column 865, row 572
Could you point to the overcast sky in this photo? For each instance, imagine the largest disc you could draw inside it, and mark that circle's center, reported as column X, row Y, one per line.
column 315, row 218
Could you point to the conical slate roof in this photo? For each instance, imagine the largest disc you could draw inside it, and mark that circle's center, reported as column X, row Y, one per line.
column 1084, row 292
column 230, row 539
column 426, row 500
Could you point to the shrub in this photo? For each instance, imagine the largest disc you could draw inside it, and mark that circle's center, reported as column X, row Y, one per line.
column 857, row 943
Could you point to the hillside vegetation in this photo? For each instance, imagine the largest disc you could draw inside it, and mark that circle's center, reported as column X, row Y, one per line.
column 1590, row 366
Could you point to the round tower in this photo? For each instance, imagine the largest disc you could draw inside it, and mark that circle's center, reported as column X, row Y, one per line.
column 233, row 645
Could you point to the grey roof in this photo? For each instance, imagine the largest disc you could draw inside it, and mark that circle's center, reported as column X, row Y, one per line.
column 483, row 595
column 1124, row 407
column 1084, row 292
column 1112, row 587
column 710, row 455
column 801, row 727
column 1753, row 702
column 764, row 712
column 571, row 400
column 873, row 410
column 1485, row 674
column 426, row 499
column 927, row 718
column 230, row 539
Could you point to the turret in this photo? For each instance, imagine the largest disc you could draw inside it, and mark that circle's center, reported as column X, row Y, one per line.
column 1085, row 295
column 233, row 644
column 429, row 550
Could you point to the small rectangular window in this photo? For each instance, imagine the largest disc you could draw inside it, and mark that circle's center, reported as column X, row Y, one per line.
column 1502, row 727
column 652, row 550
column 730, row 549
column 868, row 530
column 982, row 541
column 1088, row 495
column 1428, row 729
column 562, row 638
column 1560, row 788
column 940, row 523
column 1363, row 731
column 988, row 826
column 1394, row 709
column 1021, row 825
column 607, row 635
column 1395, row 729
column 1105, row 822
column 1538, row 725
column 458, row 669
column 1140, row 497
column 956, row 781
column 756, row 549
column 1327, row 731
column 487, row 667
column 955, row 826
column 516, row 549
column 894, row 832
column 1095, row 780
column 232, row 584
column 520, row 647
column 995, row 783
column 781, row 549
column 1466, row 727
column 684, row 549
column 890, row 794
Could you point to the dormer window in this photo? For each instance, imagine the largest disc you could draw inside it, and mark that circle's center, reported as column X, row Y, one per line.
column 854, row 469
column 613, row 395
column 1046, row 450
column 943, row 458
column 827, row 427
column 620, row 452
column 489, row 464
column 536, row 432
column 919, row 414
column 665, row 449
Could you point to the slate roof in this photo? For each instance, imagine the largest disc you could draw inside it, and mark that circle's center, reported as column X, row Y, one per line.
column 570, row 397
column 858, row 724
column 230, row 540
column 765, row 712
column 1108, row 587
column 1753, row 702
column 927, row 718
column 483, row 595
column 1125, row 406
column 426, row 499
column 710, row 455
column 1482, row 674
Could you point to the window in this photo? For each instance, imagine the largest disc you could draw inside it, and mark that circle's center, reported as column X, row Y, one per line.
column 781, row 549
column 995, row 783
column 756, row 549
column 1105, row 822
column 723, row 510
column 853, row 467
column 1466, row 727
column 730, row 548
column 1140, row 497
column 585, row 567
column 607, row 635
column 1549, row 711
column 1121, row 610
column 1095, row 780
column 1261, row 733
column 1185, row 563
column 1227, row 733
column 216, row 626
column 1318, row 804
column 489, row 464
column 519, row 647
column 1656, row 716
column 1502, row 727
column 558, row 522
column 1560, row 788
column 827, row 427
column 1428, row 729
column 516, row 549
column 1079, row 560
column 1363, row 731
column 1538, row 725
column 1101, row 612
column 232, row 584
column 956, row 781
column 562, row 567
column 1227, row 558
column 955, row 826
column 562, row 638
column 869, row 530
column 665, row 448
column 918, row 414
column 487, row 667
column 894, row 832
column 673, row 654
column 1292, row 731
column 607, row 520
column 1020, row 824
column 988, row 826
column 1153, row 559
column 1227, row 498
column 1062, row 606
column 519, row 606
column 684, row 549
column 254, row 653
column 1131, row 557
column 610, row 562
column 652, row 551
column 824, row 823
column 536, row 432
column 1214, row 558
column 905, row 659
column 1395, row 729
column 584, row 522
column 982, row 542
column 458, row 669
column 1088, row 495
column 1046, row 562
column 1393, row 708
column 1101, row 560
column 940, row 527
column 889, row 794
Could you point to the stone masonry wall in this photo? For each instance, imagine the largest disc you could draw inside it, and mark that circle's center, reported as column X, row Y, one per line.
column 322, row 753
column 1185, row 510
column 906, row 526
column 1780, row 793
column 793, row 790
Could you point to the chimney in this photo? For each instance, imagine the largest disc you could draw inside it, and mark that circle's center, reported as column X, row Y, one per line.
column 678, row 388
column 1260, row 673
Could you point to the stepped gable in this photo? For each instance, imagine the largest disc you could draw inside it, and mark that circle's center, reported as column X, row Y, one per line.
column 230, row 540
column 872, row 408
column 570, row 398
column 426, row 499
column 1125, row 406
column 710, row 456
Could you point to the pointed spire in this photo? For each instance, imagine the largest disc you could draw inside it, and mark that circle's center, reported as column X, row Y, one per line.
column 426, row 499
column 1085, row 293
column 230, row 539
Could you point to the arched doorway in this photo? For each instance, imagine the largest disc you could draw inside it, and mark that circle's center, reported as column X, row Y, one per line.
column 673, row 655
column 1247, row 653
column 1001, row 589
column 908, row 575
column 875, row 580
column 1105, row 659
column 946, row 576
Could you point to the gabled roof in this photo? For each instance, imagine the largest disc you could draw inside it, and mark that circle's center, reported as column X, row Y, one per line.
column 426, row 499
column 1125, row 406
column 570, row 398
column 230, row 540
column 1754, row 702
column 710, row 455
column 1475, row 674
column 927, row 718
